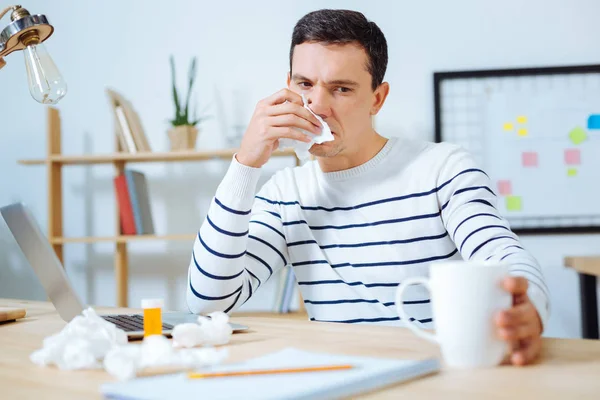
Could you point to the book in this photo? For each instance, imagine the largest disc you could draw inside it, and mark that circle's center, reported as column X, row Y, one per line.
column 140, row 202
column 125, row 206
column 366, row 374
column 128, row 125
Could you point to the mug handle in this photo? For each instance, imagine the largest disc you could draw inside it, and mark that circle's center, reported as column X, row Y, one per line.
column 400, row 307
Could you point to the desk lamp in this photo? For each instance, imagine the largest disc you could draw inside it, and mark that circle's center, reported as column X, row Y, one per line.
column 27, row 32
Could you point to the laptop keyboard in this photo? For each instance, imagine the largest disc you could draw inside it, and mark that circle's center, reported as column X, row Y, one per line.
column 130, row 323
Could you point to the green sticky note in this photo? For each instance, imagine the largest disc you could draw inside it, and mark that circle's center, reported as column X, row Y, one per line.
column 571, row 172
column 577, row 135
column 514, row 203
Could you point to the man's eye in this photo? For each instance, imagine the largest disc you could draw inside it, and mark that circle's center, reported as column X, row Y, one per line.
column 304, row 84
column 342, row 89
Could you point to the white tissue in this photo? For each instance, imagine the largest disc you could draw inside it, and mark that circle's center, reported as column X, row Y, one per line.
column 125, row 362
column 302, row 148
column 210, row 331
column 82, row 344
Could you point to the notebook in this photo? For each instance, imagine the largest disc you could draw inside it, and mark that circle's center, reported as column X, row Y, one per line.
column 369, row 374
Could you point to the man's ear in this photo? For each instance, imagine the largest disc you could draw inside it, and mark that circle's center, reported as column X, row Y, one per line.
column 379, row 96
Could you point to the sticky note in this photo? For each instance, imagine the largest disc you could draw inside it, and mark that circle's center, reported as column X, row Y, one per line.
column 522, row 132
column 529, row 159
column 504, row 188
column 514, row 203
column 522, row 119
column 508, row 126
column 577, row 135
column 594, row 121
column 572, row 157
column 571, row 172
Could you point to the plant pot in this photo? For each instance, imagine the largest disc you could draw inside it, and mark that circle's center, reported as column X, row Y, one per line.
column 183, row 137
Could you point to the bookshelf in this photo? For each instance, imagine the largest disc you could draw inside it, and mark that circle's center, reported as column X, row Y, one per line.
column 55, row 161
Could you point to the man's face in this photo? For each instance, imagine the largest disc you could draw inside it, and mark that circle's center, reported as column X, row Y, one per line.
column 337, row 85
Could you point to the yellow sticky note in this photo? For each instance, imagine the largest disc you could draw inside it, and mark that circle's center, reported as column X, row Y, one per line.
column 508, row 126
column 522, row 132
column 571, row 172
column 522, row 119
column 514, row 203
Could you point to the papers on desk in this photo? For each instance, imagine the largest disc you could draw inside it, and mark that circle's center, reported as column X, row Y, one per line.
column 368, row 374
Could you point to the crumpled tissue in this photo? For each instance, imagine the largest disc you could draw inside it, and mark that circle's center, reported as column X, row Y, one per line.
column 82, row 344
column 91, row 342
column 127, row 361
column 302, row 148
column 211, row 330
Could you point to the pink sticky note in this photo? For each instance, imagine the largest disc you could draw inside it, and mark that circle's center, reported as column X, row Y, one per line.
column 504, row 188
column 572, row 157
column 530, row 159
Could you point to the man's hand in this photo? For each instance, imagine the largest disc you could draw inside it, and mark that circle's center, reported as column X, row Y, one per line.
column 274, row 118
column 521, row 325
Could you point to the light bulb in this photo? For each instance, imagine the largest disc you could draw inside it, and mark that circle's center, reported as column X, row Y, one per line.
column 46, row 85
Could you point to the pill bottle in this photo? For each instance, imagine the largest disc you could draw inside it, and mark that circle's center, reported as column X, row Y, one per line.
column 152, row 316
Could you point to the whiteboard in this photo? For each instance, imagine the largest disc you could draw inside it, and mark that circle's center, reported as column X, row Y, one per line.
column 536, row 133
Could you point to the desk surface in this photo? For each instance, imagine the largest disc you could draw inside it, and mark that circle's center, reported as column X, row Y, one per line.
column 588, row 265
column 568, row 368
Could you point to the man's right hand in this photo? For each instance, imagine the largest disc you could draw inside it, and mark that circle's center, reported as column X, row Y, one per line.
column 274, row 119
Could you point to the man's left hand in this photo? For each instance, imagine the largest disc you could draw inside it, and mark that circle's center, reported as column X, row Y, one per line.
column 520, row 325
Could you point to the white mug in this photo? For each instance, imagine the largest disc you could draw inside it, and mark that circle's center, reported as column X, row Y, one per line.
column 465, row 296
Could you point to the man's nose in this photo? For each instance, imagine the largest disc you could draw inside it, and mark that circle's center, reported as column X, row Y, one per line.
column 319, row 102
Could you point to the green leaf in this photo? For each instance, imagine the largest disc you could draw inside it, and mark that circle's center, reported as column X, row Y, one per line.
column 174, row 84
column 191, row 77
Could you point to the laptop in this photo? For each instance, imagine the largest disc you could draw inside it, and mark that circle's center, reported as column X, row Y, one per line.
column 49, row 270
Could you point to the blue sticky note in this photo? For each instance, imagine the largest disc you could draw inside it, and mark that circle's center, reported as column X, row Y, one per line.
column 594, row 121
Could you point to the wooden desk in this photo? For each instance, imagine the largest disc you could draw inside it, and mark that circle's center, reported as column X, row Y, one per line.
column 588, row 269
column 569, row 368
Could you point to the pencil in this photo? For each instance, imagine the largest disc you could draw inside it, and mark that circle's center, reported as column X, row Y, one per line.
column 200, row 375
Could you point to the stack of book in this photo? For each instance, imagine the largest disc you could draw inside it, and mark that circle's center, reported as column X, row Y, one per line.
column 134, row 203
column 285, row 290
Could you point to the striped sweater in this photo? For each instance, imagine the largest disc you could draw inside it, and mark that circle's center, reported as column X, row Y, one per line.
column 352, row 236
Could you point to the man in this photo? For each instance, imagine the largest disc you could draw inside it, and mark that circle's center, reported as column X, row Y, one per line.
column 368, row 213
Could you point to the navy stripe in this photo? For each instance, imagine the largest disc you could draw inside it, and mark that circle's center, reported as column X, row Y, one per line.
column 268, row 226
column 211, row 276
column 473, row 216
column 249, row 292
column 479, row 230
column 257, row 258
column 381, row 319
column 352, row 301
column 274, row 214
column 488, row 241
column 376, row 223
column 327, row 282
column 378, row 264
column 468, row 189
column 513, row 245
column 231, row 210
column 487, row 203
column 509, row 254
column 234, row 303
column 203, row 297
column 216, row 253
column 292, row 244
column 254, row 276
column 371, row 203
column 271, row 246
column 384, row 243
column 488, row 257
column 541, row 278
column 223, row 231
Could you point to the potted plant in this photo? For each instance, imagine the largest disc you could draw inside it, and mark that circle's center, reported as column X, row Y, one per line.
column 183, row 132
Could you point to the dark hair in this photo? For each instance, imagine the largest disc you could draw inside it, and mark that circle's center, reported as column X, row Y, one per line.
column 340, row 27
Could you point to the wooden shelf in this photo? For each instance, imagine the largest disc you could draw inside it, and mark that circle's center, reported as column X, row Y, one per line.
column 141, row 157
column 121, row 238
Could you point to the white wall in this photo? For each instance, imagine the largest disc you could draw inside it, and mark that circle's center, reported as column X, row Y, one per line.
column 242, row 49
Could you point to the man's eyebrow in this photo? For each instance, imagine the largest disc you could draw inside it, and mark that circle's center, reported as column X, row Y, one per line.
column 343, row 82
